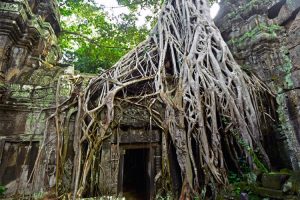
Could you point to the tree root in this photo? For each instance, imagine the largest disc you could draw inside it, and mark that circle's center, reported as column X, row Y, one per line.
column 186, row 67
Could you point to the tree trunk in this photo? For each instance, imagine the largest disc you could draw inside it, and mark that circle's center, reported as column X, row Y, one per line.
column 188, row 68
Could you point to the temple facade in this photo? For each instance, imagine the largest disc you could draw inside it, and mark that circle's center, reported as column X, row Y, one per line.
column 264, row 37
column 28, row 55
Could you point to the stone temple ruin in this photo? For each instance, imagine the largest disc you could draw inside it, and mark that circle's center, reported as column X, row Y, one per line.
column 264, row 37
column 28, row 77
column 28, row 51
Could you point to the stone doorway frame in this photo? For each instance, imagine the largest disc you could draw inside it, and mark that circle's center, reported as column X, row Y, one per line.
column 151, row 161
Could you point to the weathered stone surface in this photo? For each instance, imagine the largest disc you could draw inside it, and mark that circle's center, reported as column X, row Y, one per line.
column 294, row 42
column 263, row 35
column 287, row 11
column 294, row 180
column 295, row 55
column 27, row 37
column 273, row 181
column 13, row 122
column 266, row 192
column 113, row 155
column 28, row 54
column 264, row 38
column 281, row 185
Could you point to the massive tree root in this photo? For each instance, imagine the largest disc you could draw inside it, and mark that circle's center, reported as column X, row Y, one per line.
column 211, row 105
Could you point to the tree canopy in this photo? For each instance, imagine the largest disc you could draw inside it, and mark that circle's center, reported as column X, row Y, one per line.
column 91, row 40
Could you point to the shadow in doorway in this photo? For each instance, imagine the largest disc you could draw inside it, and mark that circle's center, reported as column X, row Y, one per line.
column 136, row 180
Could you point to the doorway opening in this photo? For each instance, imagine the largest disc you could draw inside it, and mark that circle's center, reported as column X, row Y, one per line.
column 136, row 178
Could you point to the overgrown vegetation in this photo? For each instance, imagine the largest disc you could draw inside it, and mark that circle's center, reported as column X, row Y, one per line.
column 92, row 41
column 2, row 190
column 185, row 67
column 250, row 35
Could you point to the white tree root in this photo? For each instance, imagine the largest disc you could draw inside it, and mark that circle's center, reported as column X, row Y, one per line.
column 185, row 66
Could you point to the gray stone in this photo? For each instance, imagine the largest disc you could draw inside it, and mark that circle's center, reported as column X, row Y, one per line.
column 296, row 78
column 295, row 55
column 287, row 11
column 28, row 30
column 244, row 196
column 264, row 38
column 274, row 181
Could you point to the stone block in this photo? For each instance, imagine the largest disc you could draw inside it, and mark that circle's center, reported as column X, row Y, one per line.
column 12, row 122
column 274, row 181
column 266, row 192
column 294, row 183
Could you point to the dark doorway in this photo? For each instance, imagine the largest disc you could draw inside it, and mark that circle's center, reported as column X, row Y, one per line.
column 136, row 179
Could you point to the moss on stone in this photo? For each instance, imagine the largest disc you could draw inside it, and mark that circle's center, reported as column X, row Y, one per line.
column 270, row 30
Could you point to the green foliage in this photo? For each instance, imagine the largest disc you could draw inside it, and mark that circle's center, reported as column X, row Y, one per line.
column 252, row 153
column 38, row 195
column 257, row 161
column 242, row 162
column 91, row 40
column 2, row 190
column 233, row 177
column 134, row 4
column 250, row 35
column 284, row 128
column 286, row 67
column 167, row 196
column 243, row 183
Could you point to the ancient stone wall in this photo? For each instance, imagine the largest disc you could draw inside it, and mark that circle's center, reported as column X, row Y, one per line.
column 27, row 37
column 28, row 55
column 264, row 37
column 23, row 124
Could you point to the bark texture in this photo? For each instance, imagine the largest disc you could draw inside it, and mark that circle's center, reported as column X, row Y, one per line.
column 212, row 107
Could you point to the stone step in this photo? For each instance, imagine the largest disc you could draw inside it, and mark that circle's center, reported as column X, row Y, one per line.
column 274, row 180
column 267, row 192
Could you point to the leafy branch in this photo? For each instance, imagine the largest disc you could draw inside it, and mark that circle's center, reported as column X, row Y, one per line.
column 92, row 41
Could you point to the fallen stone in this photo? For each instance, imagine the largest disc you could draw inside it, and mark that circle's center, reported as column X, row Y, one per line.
column 266, row 192
column 274, row 180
